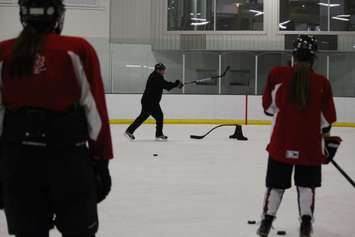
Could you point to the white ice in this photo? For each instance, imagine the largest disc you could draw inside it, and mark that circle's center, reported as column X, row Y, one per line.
column 211, row 187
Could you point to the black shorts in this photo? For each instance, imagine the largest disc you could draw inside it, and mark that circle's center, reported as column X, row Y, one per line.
column 279, row 174
column 45, row 187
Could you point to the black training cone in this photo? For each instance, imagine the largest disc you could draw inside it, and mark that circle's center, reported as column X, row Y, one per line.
column 238, row 134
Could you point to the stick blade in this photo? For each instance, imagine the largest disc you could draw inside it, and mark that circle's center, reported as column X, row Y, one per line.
column 196, row 137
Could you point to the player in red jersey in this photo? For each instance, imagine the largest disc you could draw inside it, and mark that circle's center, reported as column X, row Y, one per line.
column 302, row 106
column 56, row 141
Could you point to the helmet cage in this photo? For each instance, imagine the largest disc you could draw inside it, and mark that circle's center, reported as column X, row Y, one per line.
column 42, row 13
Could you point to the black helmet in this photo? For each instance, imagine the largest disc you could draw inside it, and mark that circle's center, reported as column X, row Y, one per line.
column 42, row 14
column 159, row 66
column 305, row 48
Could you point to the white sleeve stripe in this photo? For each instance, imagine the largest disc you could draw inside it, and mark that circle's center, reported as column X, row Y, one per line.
column 323, row 121
column 323, row 124
column 86, row 99
column 2, row 107
column 273, row 108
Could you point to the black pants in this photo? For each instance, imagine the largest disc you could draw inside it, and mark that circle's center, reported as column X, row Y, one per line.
column 278, row 175
column 147, row 110
column 44, row 187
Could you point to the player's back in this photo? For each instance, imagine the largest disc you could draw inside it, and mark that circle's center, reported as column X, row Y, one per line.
column 53, row 83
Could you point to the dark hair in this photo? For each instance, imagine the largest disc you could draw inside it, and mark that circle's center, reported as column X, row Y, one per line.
column 304, row 51
column 24, row 51
column 299, row 85
column 35, row 26
column 159, row 66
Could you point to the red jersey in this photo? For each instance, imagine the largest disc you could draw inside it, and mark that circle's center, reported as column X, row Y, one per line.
column 66, row 71
column 297, row 135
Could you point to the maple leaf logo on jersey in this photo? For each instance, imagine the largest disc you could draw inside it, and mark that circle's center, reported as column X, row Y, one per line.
column 40, row 65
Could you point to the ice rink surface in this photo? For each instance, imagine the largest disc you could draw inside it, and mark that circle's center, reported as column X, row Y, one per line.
column 211, row 187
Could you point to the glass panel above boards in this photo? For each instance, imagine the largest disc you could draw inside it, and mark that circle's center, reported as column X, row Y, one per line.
column 317, row 15
column 215, row 15
column 190, row 15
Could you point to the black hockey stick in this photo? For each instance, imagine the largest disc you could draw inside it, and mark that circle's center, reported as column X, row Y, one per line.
column 222, row 125
column 209, row 78
column 343, row 173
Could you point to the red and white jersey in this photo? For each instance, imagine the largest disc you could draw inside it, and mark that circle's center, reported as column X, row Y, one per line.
column 297, row 135
column 66, row 71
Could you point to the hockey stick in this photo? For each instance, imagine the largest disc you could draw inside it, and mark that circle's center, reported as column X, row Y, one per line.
column 222, row 125
column 343, row 173
column 208, row 78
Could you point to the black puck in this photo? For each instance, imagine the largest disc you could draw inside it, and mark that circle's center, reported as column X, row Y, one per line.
column 251, row 222
column 155, row 154
column 281, row 232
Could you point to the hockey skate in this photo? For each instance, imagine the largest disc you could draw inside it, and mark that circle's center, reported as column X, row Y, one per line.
column 265, row 226
column 306, row 226
column 129, row 135
column 161, row 138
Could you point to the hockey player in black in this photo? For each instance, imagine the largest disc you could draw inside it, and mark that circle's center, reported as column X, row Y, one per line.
column 150, row 101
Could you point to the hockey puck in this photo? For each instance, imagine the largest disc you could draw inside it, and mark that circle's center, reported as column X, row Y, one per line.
column 281, row 232
column 251, row 222
column 155, row 154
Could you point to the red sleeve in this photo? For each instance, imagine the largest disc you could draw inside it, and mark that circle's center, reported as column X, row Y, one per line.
column 328, row 107
column 101, row 147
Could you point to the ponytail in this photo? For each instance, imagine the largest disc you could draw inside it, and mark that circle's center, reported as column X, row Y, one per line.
column 24, row 51
column 299, row 85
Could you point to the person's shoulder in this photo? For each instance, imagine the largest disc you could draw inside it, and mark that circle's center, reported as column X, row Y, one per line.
column 281, row 69
column 7, row 43
column 71, row 43
column 6, row 47
column 319, row 76
column 154, row 74
column 323, row 80
column 279, row 72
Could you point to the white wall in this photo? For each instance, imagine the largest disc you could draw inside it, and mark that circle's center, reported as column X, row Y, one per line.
column 180, row 106
column 211, row 107
column 90, row 23
column 9, row 22
column 130, row 21
column 85, row 22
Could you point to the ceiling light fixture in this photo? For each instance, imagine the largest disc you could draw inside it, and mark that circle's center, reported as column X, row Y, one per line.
column 198, row 19
column 200, row 23
column 340, row 18
column 329, row 5
column 133, row 66
column 343, row 15
column 257, row 13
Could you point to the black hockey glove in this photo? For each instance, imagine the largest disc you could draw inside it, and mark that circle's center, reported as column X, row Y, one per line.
column 331, row 146
column 179, row 84
column 326, row 131
column 103, row 179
